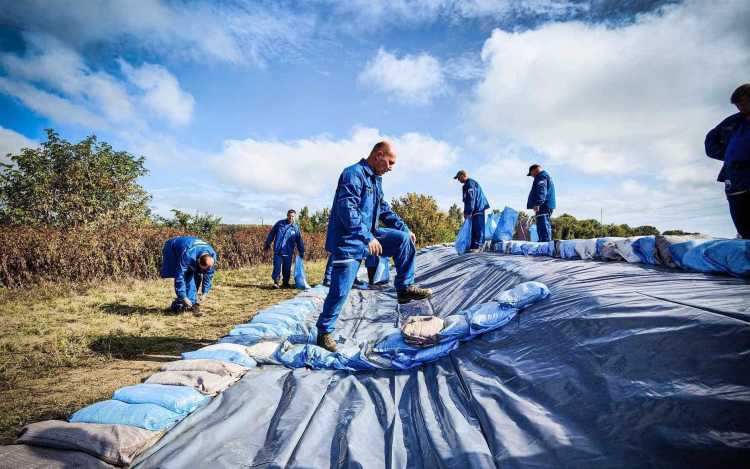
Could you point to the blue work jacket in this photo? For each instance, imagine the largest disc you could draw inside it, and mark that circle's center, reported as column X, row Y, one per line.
column 287, row 236
column 542, row 192
column 180, row 256
column 474, row 199
column 737, row 176
column 358, row 205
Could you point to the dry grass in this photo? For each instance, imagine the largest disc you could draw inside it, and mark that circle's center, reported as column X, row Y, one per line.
column 61, row 350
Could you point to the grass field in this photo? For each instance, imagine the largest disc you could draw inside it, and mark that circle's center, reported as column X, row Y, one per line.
column 61, row 350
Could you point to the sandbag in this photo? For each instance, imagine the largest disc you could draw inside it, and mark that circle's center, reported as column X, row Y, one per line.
column 601, row 241
column 491, row 225
column 696, row 260
column 568, row 248
column 36, row 457
column 229, row 356
column 178, row 399
column 406, row 360
column 233, row 347
column 382, row 271
column 644, row 248
column 349, row 358
column 374, row 359
column 523, row 232
column 516, row 248
column 212, row 366
column 303, row 333
column 506, row 225
column 308, row 303
column 422, row 331
column 205, row 382
column 487, row 317
column 533, row 234
column 538, row 249
column 147, row 416
column 274, row 318
column 265, row 351
column 294, row 356
column 261, row 330
column 557, row 253
column 522, row 295
column 463, row 240
column 298, row 313
column 391, row 341
column 456, row 326
column 625, row 249
column 319, row 358
column 677, row 251
column 300, row 276
column 609, row 253
column 732, row 255
column 586, row 249
column 245, row 340
column 113, row 444
column 662, row 255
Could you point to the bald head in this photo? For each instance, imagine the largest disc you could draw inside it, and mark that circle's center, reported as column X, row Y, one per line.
column 206, row 261
column 382, row 158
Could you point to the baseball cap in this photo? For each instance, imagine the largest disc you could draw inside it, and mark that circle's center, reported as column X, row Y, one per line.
column 532, row 168
column 460, row 173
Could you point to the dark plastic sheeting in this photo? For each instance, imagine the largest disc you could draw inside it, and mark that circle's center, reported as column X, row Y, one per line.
column 622, row 366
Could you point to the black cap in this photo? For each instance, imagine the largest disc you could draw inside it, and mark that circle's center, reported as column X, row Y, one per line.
column 532, row 168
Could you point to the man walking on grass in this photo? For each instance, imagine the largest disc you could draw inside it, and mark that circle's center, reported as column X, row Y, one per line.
column 287, row 235
column 353, row 234
column 190, row 262
column 475, row 203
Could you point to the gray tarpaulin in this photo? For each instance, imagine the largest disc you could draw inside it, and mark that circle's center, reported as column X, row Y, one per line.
column 622, row 366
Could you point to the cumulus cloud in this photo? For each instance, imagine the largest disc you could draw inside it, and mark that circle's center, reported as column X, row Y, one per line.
column 639, row 98
column 12, row 142
column 310, row 167
column 507, row 169
column 163, row 94
column 411, row 79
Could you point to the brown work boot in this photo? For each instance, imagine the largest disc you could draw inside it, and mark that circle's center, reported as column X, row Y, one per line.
column 326, row 341
column 196, row 309
column 411, row 293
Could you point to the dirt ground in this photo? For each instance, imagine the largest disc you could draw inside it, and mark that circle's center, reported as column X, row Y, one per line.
column 62, row 349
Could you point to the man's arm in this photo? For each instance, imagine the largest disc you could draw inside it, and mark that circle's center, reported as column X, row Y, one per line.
column 347, row 204
column 179, row 276
column 541, row 192
column 715, row 148
column 390, row 219
column 300, row 244
column 469, row 200
column 272, row 234
column 208, row 278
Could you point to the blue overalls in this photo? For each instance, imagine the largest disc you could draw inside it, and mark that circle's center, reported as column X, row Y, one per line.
column 542, row 195
column 180, row 262
column 287, row 236
column 475, row 203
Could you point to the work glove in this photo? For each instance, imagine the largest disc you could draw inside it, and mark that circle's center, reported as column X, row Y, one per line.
column 202, row 299
column 186, row 301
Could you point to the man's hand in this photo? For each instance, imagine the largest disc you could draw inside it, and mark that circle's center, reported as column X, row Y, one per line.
column 186, row 301
column 375, row 248
column 466, row 217
column 413, row 237
column 536, row 209
column 202, row 299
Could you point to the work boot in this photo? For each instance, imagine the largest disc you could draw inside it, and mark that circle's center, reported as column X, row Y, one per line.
column 196, row 309
column 411, row 293
column 326, row 341
column 276, row 284
column 326, row 284
column 286, row 285
column 357, row 283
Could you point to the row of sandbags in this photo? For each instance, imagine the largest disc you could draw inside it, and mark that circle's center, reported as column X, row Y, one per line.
column 114, row 432
column 696, row 253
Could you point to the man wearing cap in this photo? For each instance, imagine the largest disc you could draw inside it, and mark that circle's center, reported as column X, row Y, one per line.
column 475, row 203
column 542, row 200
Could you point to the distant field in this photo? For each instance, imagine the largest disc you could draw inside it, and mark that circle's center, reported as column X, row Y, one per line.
column 61, row 351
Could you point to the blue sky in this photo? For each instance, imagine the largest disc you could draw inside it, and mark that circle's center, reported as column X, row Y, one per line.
column 245, row 109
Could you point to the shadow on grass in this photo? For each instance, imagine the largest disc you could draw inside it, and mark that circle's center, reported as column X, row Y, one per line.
column 126, row 346
column 129, row 310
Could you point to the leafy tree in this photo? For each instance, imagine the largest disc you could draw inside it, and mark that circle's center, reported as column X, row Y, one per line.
column 320, row 219
column 678, row 232
column 206, row 225
column 303, row 220
column 64, row 185
column 455, row 217
column 423, row 216
column 646, row 231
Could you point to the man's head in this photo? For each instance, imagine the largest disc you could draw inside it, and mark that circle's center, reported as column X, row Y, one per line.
column 382, row 158
column 206, row 261
column 462, row 176
column 534, row 170
column 741, row 99
column 290, row 216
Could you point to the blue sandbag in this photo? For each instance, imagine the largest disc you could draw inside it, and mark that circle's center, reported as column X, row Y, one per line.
column 404, row 361
column 645, row 249
column 568, row 249
column 540, row 249
column 732, row 255
column 522, row 295
column 297, row 312
column 271, row 330
column 349, row 358
column 308, row 303
column 245, row 340
column 274, row 318
column 300, row 276
column 600, row 241
column 227, row 356
column 533, row 234
column 303, row 333
column 506, row 225
column 147, row 416
column 526, row 248
column 491, row 225
column 178, row 399
column 383, row 271
column 294, row 357
column 678, row 251
column 456, row 326
column 489, row 316
column 696, row 260
column 463, row 240
column 319, row 358
column 516, row 248
column 391, row 341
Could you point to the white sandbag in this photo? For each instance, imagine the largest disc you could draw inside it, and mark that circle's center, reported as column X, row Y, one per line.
column 587, row 249
column 623, row 247
column 204, row 364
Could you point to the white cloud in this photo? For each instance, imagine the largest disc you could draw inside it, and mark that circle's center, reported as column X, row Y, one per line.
column 507, row 169
column 163, row 94
column 12, row 142
column 311, row 167
column 412, row 79
column 618, row 100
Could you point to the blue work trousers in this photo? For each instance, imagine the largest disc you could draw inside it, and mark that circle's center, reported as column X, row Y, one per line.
column 396, row 244
column 543, row 225
column 281, row 264
column 477, row 230
column 739, row 208
column 193, row 281
column 329, row 269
